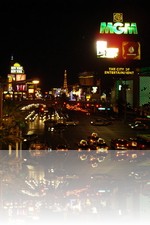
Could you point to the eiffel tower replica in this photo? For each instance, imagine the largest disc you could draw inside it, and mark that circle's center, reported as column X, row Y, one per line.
column 65, row 86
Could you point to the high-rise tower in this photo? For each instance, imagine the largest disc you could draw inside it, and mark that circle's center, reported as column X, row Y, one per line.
column 65, row 87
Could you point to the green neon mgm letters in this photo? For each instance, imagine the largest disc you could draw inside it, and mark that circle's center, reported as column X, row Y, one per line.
column 118, row 28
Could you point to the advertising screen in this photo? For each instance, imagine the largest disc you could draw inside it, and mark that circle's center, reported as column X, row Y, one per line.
column 131, row 50
column 118, row 49
column 103, row 51
column 20, row 77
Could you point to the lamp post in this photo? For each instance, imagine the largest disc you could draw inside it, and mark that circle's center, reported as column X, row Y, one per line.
column 35, row 82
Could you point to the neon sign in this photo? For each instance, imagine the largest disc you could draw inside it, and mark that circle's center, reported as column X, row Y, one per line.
column 115, row 47
column 119, row 71
column 118, row 28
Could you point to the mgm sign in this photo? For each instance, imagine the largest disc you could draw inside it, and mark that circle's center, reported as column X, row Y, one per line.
column 116, row 46
column 118, row 27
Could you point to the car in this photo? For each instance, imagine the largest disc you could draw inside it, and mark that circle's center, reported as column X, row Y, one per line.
column 100, row 122
column 119, row 143
column 55, row 126
column 137, row 143
column 71, row 122
column 101, row 145
column 30, row 137
column 92, row 139
column 84, row 145
column 143, row 141
column 135, row 122
column 49, row 124
column 139, row 126
column 133, row 143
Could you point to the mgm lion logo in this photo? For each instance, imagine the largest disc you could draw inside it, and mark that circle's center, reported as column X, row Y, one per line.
column 117, row 17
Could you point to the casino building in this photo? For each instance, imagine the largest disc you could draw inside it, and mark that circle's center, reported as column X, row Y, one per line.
column 118, row 42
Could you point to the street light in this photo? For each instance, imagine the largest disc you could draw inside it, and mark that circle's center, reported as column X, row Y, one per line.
column 35, row 81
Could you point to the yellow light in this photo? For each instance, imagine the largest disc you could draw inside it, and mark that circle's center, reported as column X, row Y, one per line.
column 35, row 81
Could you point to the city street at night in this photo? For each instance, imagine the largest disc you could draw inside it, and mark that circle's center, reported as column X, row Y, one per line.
column 74, row 113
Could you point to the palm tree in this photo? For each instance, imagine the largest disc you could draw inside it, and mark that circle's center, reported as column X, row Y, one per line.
column 12, row 124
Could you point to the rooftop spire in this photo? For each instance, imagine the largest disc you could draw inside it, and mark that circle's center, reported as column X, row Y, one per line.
column 65, row 87
column 12, row 57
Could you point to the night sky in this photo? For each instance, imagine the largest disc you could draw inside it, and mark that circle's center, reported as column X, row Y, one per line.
column 48, row 37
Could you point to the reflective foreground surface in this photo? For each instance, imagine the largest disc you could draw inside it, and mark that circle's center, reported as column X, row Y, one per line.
column 72, row 187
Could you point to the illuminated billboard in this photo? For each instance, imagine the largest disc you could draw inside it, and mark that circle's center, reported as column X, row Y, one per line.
column 21, row 87
column 117, row 26
column 31, row 91
column 117, row 40
column 119, row 71
column 17, row 68
column 103, row 51
column 11, row 79
column 131, row 50
column 20, row 77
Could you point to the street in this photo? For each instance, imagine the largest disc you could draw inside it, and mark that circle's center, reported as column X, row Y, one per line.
column 73, row 134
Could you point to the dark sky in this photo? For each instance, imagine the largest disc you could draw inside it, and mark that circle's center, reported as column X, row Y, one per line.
column 47, row 37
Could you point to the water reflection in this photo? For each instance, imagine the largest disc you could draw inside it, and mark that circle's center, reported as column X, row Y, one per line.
column 63, row 189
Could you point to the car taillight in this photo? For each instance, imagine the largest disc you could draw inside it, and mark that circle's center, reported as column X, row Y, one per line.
column 142, row 146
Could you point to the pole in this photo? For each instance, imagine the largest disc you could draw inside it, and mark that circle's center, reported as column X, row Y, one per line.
column 125, row 99
column 125, row 102
column 17, row 150
column 21, row 145
column 10, row 149
column 1, row 102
